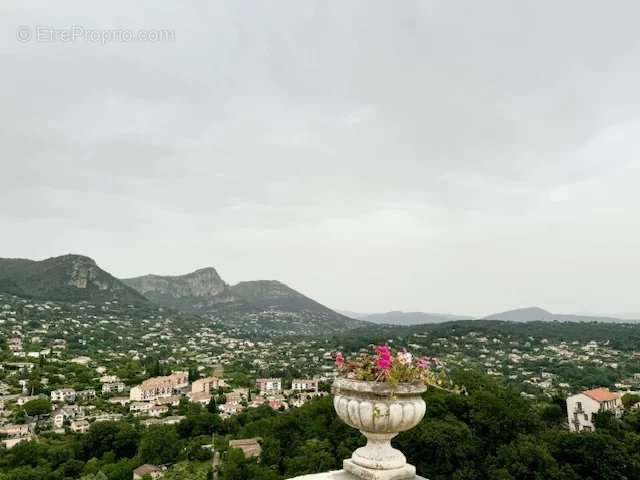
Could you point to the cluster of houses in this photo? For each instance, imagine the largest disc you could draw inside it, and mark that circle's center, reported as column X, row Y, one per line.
column 15, row 433
column 65, row 416
column 155, row 396
column 526, row 360
column 153, row 400
column 64, row 343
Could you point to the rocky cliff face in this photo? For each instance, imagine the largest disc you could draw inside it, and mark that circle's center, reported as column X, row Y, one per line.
column 196, row 292
column 266, row 305
column 83, row 272
column 202, row 283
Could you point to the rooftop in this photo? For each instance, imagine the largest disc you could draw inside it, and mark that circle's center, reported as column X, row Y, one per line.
column 601, row 394
column 249, row 446
column 146, row 469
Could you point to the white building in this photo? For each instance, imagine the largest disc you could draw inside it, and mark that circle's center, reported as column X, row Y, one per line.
column 299, row 385
column 582, row 407
column 79, row 426
column 86, row 394
column 58, row 418
column 63, row 395
column 269, row 385
column 15, row 430
column 113, row 387
column 157, row 410
column 140, row 407
column 230, row 408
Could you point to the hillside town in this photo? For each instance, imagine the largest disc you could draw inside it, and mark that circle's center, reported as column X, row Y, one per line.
column 73, row 358
column 156, row 401
column 538, row 364
column 65, row 367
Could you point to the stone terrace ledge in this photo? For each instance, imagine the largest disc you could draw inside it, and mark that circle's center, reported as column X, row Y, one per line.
column 337, row 475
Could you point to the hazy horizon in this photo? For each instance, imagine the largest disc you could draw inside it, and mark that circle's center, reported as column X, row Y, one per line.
column 463, row 157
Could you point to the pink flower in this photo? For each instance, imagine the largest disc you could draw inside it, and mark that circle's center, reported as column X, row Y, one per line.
column 339, row 360
column 384, row 361
column 423, row 363
column 383, row 351
column 384, row 364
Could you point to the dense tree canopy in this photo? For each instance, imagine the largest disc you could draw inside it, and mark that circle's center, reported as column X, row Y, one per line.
column 39, row 406
column 492, row 433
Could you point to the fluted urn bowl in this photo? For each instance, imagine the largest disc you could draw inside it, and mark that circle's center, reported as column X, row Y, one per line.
column 380, row 411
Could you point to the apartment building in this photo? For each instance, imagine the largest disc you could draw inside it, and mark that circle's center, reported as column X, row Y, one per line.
column 207, row 385
column 269, row 385
column 158, row 387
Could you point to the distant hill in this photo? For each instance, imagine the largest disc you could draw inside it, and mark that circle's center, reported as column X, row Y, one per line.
column 266, row 304
column 409, row 318
column 529, row 314
column 352, row 314
column 274, row 295
column 66, row 278
column 532, row 314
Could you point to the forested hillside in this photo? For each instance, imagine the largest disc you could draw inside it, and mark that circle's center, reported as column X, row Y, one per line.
column 619, row 335
column 493, row 433
column 69, row 278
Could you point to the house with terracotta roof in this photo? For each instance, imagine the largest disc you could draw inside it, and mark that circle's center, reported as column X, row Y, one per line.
column 250, row 446
column 582, row 407
column 148, row 470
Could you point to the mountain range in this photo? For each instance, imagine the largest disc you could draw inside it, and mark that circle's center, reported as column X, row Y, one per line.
column 203, row 292
column 406, row 318
column 261, row 305
column 528, row 314
column 264, row 305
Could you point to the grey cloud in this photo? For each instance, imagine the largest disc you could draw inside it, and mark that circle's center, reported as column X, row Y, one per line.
column 409, row 154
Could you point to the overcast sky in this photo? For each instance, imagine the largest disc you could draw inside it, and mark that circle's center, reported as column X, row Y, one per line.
column 443, row 156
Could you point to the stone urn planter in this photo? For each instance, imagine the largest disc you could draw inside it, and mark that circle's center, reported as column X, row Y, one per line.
column 380, row 411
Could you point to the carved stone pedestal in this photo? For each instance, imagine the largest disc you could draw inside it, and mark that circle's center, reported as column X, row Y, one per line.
column 338, row 475
column 406, row 472
column 380, row 412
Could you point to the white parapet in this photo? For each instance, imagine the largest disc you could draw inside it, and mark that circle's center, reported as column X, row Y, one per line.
column 337, row 475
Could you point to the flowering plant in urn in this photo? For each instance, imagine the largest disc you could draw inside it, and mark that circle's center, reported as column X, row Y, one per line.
column 395, row 369
column 380, row 395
